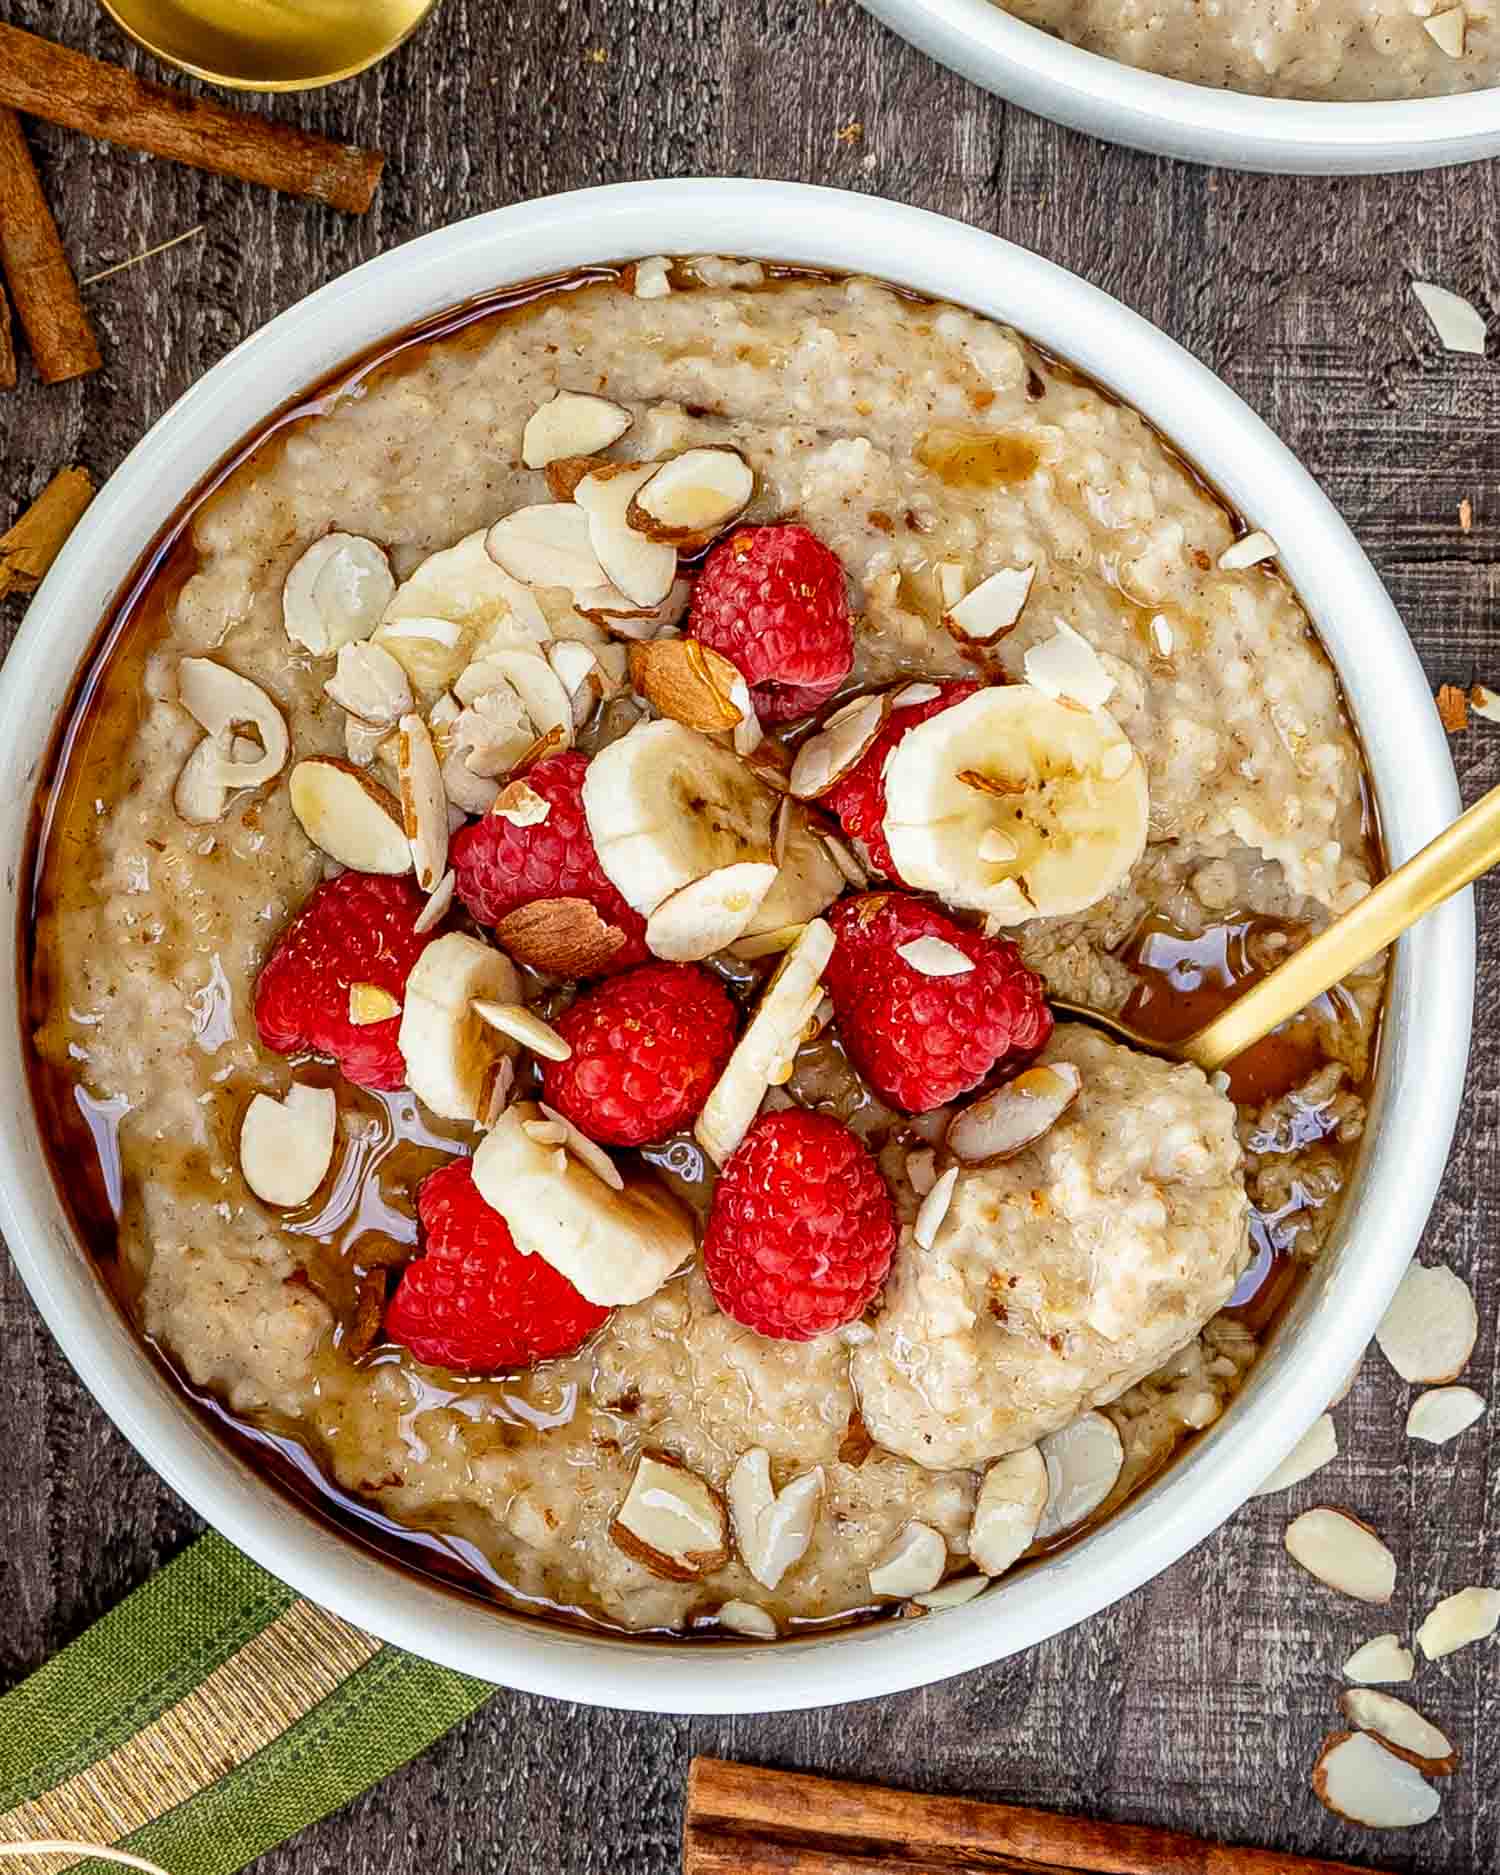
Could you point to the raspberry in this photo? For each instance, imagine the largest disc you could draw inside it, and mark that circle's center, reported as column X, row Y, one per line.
column 801, row 1230
column 921, row 1040
column 471, row 1301
column 356, row 928
column 773, row 600
column 647, row 1047
column 858, row 798
column 500, row 866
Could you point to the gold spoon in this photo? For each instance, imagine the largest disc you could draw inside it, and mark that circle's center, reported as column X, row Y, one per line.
column 1446, row 865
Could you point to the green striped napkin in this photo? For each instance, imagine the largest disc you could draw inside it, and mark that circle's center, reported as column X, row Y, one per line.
column 210, row 1716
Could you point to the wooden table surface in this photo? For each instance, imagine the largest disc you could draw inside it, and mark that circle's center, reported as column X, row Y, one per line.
column 1199, row 1701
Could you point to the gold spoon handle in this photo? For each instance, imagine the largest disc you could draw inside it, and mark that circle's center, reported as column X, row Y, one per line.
column 1446, row 865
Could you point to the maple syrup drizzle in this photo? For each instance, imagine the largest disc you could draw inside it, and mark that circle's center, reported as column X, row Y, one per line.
column 364, row 1226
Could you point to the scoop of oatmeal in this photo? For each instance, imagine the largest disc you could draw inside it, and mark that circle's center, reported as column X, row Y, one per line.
column 1064, row 1275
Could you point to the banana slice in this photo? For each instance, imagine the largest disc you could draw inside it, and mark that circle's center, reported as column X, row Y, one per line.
column 452, row 1054
column 615, row 1247
column 1016, row 804
column 457, row 605
column 666, row 806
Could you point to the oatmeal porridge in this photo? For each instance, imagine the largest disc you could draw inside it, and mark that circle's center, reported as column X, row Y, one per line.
column 544, row 926
column 1328, row 50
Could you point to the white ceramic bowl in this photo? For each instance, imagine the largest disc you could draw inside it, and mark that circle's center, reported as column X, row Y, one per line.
column 1422, row 1062
column 1199, row 122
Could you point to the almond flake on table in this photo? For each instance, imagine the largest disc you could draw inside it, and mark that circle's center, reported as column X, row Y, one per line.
column 1458, row 324
column 1381, row 1661
column 1459, row 1620
column 1443, row 1414
column 1362, row 1781
column 1402, row 1729
column 1428, row 1332
column 1343, row 1553
column 1317, row 1446
column 1485, row 702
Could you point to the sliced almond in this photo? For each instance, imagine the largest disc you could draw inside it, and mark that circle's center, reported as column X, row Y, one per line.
column 532, row 679
column 1250, row 550
column 993, row 607
column 520, row 804
column 581, row 675
column 369, row 683
column 642, row 569
column 525, row 1027
column 1343, row 1553
column 1485, row 702
column 220, row 701
column 1429, row 1331
column 912, row 1565
column 693, row 497
column 1001, row 1124
column 748, row 1619
column 774, row 1032
column 1458, row 323
column 653, row 278
column 771, row 1529
column 336, row 593
column 587, row 1150
column 846, row 862
column 748, row 734
column 563, row 937
column 368, row 1003
column 710, row 913
column 1361, row 1781
column 439, row 903
column 672, row 1522
column 547, row 545
column 1402, row 1729
column 1380, row 1661
column 1459, row 1620
column 953, row 583
column 206, row 783
column 688, row 681
column 1317, row 1446
column 607, row 606
column 767, row 943
column 467, row 792
column 1068, row 668
column 286, row 1145
column 824, row 759
column 1084, row 1461
column 552, row 743
column 957, row 1593
column 807, row 881
column 921, row 1170
column 1443, row 1414
column 573, row 423
column 934, row 1208
column 349, row 815
column 566, row 472
column 424, row 802
column 1446, row 30
column 1009, row 1510
column 934, row 957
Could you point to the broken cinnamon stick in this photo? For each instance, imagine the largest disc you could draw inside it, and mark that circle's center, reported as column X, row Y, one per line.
column 41, row 281
column 30, row 547
column 7, row 346
column 66, row 87
column 742, row 1820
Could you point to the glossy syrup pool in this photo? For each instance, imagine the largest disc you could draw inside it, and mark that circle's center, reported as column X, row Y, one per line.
column 360, row 1231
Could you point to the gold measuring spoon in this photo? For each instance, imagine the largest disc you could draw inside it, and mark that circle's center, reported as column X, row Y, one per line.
column 1456, row 858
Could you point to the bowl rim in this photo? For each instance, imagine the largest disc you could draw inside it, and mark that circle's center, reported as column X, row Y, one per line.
column 1419, row 1081
column 1201, row 123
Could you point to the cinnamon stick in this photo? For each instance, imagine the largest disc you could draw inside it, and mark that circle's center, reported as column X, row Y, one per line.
column 41, row 281
column 745, row 1821
column 30, row 547
column 66, row 87
column 7, row 346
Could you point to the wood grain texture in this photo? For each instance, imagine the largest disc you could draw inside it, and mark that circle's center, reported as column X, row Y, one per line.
column 1197, row 1703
